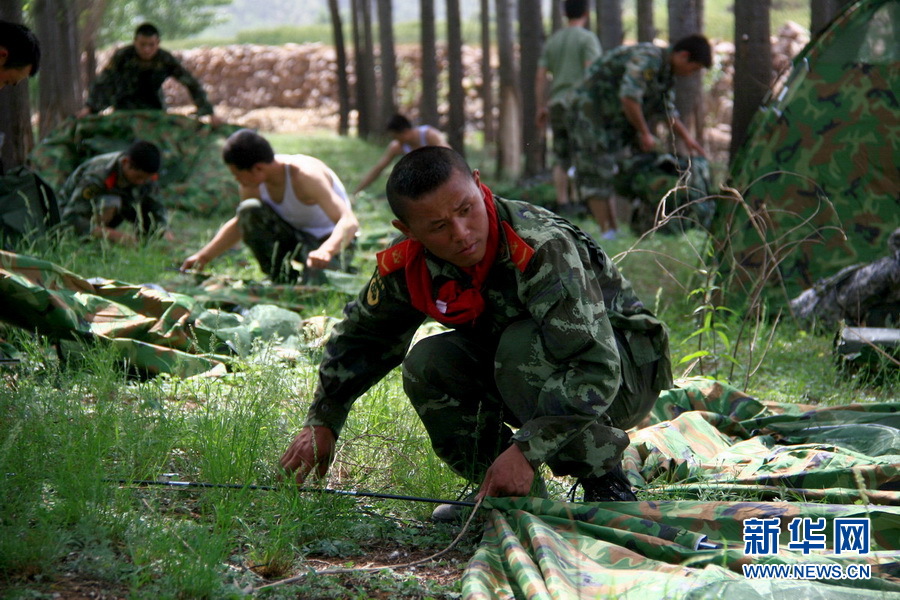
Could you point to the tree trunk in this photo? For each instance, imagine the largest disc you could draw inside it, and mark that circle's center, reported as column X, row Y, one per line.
column 646, row 30
column 531, row 40
column 364, row 67
column 752, row 64
column 92, row 13
column 823, row 11
column 456, row 119
column 556, row 16
column 15, row 106
column 387, row 60
column 487, row 74
column 371, row 99
column 609, row 23
column 428, row 104
column 337, row 29
column 509, row 150
column 686, row 18
column 60, row 83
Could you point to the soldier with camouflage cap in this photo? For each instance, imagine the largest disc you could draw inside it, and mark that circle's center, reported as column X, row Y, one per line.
column 624, row 93
column 111, row 188
column 135, row 74
column 547, row 337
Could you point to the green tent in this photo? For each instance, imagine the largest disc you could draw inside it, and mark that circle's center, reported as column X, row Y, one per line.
column 818, row 174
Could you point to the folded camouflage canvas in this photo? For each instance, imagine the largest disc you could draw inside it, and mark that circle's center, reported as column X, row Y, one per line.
column 154, row 330
column 707, row 439
column 193, row 176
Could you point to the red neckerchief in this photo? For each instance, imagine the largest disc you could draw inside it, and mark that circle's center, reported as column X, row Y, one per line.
column 456, row 303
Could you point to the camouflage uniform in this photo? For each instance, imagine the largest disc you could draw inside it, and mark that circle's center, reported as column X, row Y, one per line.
column 128, row 82
column 863, row 294
column 97, row 184
column 601, row 135
column 277, row 246
column 564, row 351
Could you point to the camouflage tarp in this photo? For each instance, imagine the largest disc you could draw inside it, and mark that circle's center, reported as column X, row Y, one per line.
column 193, row 176
column 154, row 330
column 708, row 438
column 820, row 167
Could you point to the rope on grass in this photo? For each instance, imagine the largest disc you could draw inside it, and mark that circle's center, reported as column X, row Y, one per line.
column 407, row 565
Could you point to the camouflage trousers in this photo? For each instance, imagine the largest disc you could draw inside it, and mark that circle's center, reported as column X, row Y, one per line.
column 277, row 246
column 598, row 148
column 468, row 392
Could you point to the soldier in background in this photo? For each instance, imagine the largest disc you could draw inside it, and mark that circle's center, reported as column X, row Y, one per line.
column 860, row 295
column 546, row 336
column 625, row 92
column 20, row 53
column 134, row 77
column 108, row 189
column 565, row 58
column 406, row 139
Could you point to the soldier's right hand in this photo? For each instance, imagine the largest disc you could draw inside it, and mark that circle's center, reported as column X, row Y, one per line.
column 313, row 448
column 193, row 261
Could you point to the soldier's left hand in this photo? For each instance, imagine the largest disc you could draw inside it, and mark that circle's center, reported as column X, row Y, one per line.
column 318, row 259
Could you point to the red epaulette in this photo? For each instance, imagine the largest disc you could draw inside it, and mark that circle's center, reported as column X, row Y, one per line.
column 394, row 258
column 519, row 251
column 111, row 181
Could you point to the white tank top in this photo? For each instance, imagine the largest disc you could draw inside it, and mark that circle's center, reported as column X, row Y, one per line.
column 304, row 217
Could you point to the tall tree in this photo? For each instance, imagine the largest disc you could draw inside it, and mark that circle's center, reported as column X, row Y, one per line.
column 387, row 60
column 456, row 118
column 487, row 73
column 823, row 11
column 15, row 107
column 91, row 16
column 752, row 64
column 428, row 104
column 56, row 24
column 646, row 30
column 364, row 67
column 609, row 23
column 531, row 41
column 337, row 29
column 686, row 18
column 509, row 150
column 556, row 16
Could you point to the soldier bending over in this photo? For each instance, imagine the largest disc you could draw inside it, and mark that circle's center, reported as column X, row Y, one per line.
column 547, row 338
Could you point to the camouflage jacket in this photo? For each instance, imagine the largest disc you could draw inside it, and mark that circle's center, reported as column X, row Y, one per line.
column 128, row 82
column 550, row 271
column 641, row 72
column 85, row 190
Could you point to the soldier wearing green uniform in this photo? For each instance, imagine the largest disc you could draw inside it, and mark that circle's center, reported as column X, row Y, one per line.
column 625, row 93
column 111, row 188
column 547, row 338
column 134, row 77
column 565, row 58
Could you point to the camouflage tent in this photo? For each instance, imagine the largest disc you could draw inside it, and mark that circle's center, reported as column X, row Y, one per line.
column 710, row 440
column 193, row 176
column 818, row 172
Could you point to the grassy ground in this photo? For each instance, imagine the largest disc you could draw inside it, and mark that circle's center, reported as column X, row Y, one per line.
column 68, row 430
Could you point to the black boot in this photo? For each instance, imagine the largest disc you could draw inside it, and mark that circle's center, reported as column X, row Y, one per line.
column 611, row 487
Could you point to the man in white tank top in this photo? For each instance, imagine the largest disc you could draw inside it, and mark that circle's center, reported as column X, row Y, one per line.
column 294, row 211
column 406, row 139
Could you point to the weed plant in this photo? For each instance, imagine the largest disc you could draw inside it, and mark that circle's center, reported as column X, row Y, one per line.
column 71, row 430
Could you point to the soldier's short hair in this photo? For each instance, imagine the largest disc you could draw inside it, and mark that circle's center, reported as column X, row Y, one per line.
column 420, row 172
column 697, row 47
column 398, row 124
column 22, row 47
column 245, row 148
column 146, row 30
column 575, row 9
column 144, row 156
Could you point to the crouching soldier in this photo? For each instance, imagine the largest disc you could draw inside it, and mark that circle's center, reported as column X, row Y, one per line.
column 111, row 188
column 547, row 337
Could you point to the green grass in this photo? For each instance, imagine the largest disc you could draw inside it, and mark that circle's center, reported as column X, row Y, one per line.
column 67, row 428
